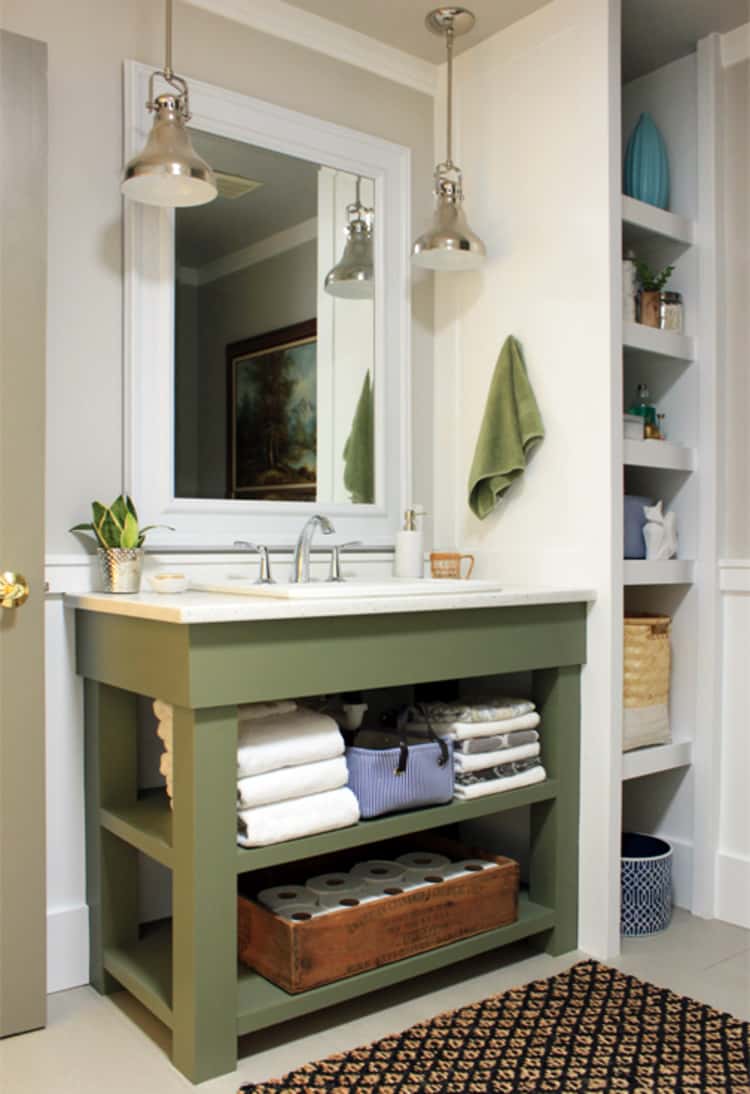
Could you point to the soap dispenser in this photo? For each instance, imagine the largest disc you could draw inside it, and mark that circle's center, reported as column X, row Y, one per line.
column 409, row 560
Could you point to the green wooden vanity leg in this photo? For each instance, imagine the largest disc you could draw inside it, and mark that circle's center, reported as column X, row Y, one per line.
column 111, row 777
column 553, row 874
column 204, row 893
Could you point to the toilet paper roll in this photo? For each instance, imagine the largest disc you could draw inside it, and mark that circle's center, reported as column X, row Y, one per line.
column 419, row 863
column 323, row 884
column 283, row 896
column 348, row 896
column 378, row 872
column 298, row 913
column 466, row 867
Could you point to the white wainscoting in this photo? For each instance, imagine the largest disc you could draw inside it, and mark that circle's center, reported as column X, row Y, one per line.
column 733, row 859
column 67, row 911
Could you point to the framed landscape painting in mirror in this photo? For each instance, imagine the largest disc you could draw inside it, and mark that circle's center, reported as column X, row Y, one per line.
column 272, row 425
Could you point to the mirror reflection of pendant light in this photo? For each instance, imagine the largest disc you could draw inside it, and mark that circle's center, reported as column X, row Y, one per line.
column 169, row 171
column 449, row 243
column 352, row 278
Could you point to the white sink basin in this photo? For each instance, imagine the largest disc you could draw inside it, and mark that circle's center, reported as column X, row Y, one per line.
column 241, row 585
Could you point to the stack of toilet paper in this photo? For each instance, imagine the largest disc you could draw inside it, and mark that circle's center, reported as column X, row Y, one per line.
column 368, row 881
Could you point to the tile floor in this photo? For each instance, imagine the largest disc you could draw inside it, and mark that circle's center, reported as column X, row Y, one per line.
column 93, row 1044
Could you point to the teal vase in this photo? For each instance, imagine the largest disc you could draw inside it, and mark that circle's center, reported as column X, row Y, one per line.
column 647, row 165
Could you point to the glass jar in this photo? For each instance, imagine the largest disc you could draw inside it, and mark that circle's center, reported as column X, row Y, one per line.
column 670, row 311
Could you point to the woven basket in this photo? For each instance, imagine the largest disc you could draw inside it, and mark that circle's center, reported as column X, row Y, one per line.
column 647, row 664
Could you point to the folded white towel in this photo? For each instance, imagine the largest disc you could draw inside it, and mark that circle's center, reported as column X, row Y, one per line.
column 286, row 740
column 296, row 818
column 248, row 711
column 163, row 711
column 463, row 731
column 165, row 764
column 496, row 786
column 291, row 782
column 481, row 760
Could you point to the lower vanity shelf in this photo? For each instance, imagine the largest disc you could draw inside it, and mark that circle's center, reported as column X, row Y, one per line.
column 146, row 971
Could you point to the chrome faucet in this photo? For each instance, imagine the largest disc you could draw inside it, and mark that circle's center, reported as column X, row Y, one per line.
column 301, row 564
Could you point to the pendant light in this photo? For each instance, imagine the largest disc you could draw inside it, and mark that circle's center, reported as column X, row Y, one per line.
column 352, row 278
column 169, row 171
column 449, row 243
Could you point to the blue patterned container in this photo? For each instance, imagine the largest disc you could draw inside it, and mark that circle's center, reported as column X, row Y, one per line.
column 646, row 175
column 646, row 879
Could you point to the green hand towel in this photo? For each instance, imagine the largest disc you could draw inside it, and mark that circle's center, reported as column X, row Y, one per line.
column 359, row 449
column 511, row 428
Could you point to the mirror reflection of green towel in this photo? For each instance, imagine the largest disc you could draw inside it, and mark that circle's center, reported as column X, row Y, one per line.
column 511, row 428
column 359, row 478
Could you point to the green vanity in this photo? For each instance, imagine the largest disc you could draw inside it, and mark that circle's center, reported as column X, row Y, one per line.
column 205, row 654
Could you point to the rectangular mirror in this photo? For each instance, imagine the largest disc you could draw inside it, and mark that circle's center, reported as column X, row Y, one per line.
column 275, row 331
column 267, row 371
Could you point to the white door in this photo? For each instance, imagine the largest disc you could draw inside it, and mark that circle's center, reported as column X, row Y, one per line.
column 23, row 274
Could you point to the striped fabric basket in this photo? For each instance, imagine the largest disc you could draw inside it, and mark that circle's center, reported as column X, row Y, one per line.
column 647, row 666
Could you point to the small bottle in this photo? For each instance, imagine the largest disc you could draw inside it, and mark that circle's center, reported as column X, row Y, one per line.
column 643, row 407
column 409, row 558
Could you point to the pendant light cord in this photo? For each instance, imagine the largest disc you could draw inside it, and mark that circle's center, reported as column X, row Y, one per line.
column 449, row 123
column 168, row 48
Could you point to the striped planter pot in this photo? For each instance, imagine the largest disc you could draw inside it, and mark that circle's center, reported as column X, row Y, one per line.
column 646, row 879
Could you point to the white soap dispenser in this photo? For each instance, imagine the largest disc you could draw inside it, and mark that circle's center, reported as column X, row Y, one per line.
column 409, row 560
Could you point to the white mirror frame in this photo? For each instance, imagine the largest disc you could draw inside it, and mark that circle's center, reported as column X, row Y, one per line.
column 149, row 329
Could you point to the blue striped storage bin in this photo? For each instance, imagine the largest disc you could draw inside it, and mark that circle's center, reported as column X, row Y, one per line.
column 427, row 780
column 646, row 877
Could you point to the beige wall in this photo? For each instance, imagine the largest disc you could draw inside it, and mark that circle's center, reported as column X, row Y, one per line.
column 736, row 532
column 88, row 40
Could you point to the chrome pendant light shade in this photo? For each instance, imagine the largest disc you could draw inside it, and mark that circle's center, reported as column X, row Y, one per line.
column 352, row 278
column 449, row 243
column 169, row 172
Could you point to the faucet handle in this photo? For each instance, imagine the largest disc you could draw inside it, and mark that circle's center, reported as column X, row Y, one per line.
column 335, row 571
column 264, row 577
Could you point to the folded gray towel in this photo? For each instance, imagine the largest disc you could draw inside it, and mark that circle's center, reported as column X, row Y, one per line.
column 504, row 740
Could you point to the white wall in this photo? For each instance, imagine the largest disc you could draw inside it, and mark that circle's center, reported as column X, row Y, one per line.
column 88, row 41
column 733, row 862
column 538, row 136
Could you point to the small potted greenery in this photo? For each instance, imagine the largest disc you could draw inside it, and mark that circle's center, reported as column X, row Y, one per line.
column 652, row 285
column 119, row 539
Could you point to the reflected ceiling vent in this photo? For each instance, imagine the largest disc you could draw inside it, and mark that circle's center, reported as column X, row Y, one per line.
column 234, row 186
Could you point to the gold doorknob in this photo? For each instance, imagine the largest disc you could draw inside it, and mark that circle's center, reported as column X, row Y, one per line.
column 14, row 590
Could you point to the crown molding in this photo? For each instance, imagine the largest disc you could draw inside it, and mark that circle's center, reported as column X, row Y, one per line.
column 286, row 240
column 735, row 46
column 283, row 20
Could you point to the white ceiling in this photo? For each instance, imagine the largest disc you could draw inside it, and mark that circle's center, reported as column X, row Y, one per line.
column 655, row 32
column 288, row 196
column 400, row 23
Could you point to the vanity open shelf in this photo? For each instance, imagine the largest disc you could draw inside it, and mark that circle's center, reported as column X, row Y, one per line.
column 147, row 825
column 145, row 969
column 186, row 971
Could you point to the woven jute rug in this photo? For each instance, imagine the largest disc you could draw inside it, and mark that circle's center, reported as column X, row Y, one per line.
column 588, row 1029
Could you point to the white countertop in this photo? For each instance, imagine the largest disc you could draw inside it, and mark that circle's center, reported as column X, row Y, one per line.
column 198, row 607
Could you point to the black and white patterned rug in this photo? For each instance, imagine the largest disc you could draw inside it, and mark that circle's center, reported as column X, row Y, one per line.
column 590, row 1029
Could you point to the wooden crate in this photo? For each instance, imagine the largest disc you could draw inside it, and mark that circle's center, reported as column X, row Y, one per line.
column 300, row 956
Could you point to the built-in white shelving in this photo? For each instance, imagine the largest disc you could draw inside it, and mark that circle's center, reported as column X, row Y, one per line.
column 642, row 222
column 675, row 571
column 657, row 758
column 659, row 454
column 658, row 343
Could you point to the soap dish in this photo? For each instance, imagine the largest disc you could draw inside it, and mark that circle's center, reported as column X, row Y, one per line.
column 168, row 583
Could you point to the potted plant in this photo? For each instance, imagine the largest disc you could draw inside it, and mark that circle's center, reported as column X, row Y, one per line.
column 119, row 539
column 652, row 284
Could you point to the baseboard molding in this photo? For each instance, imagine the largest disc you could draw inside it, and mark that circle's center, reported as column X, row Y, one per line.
column 682, row 872
column 67, row 948
column 733, row 889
